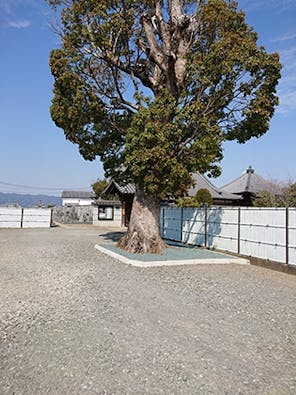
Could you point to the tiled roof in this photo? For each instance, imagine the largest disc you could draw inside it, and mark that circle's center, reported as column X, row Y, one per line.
column 202, row 182
column 78, row 194
column 249, row 181
column 102, row 202
column 127, row 189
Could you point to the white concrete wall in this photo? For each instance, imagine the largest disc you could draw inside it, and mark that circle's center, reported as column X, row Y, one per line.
column 222, row 228
column 74, row 201
column 193, row 231
column 10, row 217
column 117, row 218
column 263, row 233
column 36, row 218
column 292, row 234
column 262, row 230
column 26, row 217
column 171, row 223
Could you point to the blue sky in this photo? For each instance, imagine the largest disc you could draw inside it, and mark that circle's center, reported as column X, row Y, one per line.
column 34, row 152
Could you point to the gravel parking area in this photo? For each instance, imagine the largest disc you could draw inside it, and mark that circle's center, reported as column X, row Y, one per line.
column 75, row 321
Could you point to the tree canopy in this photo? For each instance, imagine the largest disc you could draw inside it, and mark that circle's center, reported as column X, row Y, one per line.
column 154, row 87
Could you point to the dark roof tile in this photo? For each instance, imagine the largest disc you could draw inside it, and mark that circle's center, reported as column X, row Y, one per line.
column 202, row 182
column 249, row 181
column 78, row 194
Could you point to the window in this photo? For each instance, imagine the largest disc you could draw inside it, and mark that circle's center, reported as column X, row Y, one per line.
column 105, row 213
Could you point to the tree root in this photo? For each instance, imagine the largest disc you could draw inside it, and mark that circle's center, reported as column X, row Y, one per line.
column 137, row 243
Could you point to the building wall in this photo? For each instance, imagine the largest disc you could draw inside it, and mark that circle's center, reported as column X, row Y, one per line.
column 260, row 232
column 76, row 202
column 73, row 214
column 115, row 222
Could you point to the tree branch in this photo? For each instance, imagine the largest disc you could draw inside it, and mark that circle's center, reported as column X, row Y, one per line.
column 175, row 7
column 155, row 52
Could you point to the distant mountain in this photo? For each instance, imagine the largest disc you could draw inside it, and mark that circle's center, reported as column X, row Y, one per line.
column 29, row 200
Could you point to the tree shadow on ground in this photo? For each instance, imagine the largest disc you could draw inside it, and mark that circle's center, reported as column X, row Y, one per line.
column 112, row 236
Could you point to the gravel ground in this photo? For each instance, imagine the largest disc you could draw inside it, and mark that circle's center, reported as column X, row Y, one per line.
column 75, row 321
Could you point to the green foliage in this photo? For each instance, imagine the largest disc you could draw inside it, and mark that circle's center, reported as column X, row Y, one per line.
column 267, row 199
column 188, row 202
column 99, row 186
column 152, row 148
column 203, row 196
column 290, row 195
column 155, row 91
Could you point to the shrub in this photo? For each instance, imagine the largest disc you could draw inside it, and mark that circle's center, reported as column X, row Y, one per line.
column 188, row 202
column 203, row 196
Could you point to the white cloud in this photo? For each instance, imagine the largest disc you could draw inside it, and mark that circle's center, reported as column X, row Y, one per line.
column 288, row 59
column 287, row 85
column 19, row 24
column 284, row 37
column 287, row 101
column 18, row 14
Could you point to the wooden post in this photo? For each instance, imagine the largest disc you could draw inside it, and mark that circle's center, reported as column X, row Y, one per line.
column 206, row 224
column 163, row 220
column 238, row 229
column 123, row 218
column 287, row 235
column 181, row 225
column 22, row 217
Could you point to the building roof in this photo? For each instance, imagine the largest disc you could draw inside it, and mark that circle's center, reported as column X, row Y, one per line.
column 202, row 182
column 249, row 181
column 127, row 189
column 78, row 194
column 102, row 202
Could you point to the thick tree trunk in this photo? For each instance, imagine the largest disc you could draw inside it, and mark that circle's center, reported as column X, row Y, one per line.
column 143, row 231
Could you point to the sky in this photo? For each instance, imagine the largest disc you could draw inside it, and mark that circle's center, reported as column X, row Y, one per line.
column 35, row 157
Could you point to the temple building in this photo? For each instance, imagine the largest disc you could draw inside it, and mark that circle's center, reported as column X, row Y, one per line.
column 220, row 197
column 248, row 185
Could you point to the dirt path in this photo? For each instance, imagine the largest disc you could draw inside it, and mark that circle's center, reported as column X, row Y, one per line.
column 74, row 321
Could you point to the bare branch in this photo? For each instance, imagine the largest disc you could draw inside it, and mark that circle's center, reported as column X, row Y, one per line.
column 175, row 7
column 155, row 53
column 164, row 28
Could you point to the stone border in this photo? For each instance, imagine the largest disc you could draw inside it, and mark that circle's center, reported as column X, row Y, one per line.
column 133, row 262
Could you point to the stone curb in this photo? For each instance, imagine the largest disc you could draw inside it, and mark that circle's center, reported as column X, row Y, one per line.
column 133, row 262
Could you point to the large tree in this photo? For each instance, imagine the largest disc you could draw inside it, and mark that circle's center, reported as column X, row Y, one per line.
column 153, row 88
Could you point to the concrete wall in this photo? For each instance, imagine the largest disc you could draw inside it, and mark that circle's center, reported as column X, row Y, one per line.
column 76, row 202
column 11, row 217
column 73, row 214
column 260, row 232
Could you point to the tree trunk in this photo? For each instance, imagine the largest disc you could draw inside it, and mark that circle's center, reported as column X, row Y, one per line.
column 143, row 231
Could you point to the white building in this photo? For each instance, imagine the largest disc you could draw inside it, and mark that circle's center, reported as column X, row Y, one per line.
column 77, row 198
